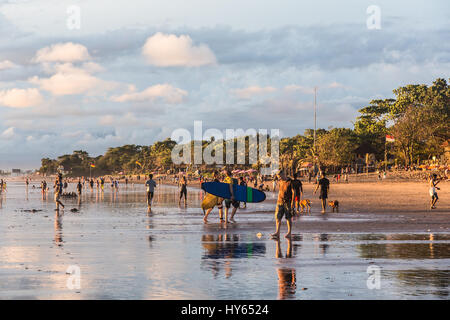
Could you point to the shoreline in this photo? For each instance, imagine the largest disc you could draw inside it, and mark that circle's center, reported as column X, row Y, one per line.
column 383, row 206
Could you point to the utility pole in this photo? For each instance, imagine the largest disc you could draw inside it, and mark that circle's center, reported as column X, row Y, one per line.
column 315, row 118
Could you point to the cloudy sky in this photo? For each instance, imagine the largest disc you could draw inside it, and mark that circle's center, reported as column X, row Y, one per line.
column 133, row 71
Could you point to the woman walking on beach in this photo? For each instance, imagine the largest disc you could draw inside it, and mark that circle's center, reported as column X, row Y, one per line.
column 58, row 191
column 183, row 190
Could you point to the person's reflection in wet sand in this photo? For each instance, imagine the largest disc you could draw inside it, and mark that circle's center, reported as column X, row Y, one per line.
column 287, row 282
column 58, row 228
column 324, row 246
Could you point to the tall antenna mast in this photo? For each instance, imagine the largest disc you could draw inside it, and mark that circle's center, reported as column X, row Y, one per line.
column 315, row 117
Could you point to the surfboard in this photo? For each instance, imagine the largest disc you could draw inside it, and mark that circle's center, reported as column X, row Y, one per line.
column 241, row 193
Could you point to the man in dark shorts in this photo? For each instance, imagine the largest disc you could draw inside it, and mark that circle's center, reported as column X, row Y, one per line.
column 298, row 194
column 285, row 194
column 324, row 185
column 230, row 202
column 151, row 185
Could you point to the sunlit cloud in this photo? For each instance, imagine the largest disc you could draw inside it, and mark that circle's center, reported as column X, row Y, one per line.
column 70, row 80
column 168, row 50
column 20, row 98
column 62, row 52
column 6, row 64
column 166, row 92
column 249, row 92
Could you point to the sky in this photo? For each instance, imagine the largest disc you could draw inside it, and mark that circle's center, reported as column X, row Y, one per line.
column 89, row 75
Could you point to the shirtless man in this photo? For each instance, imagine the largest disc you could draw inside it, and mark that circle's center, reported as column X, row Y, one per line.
column 285, row 195
column 324, row 185
column 433, row 194
column 298, row 194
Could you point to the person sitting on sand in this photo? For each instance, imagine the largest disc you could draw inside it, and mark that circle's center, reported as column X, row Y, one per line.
column 324, row 185
column 434, row 196
column 285, row 194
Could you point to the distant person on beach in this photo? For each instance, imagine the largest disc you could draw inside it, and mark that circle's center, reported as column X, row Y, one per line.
column 298, row 194
column 183, row 190
column 285, row 194
column 324, row 185
column 79, row 187
column 151, row 185
column 433, row 194
column 58, row 191
column 243, row 183
column 274, row 184
column 230, row 202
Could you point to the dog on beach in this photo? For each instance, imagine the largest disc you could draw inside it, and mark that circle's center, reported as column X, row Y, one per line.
column 334, row 205
column 305, row 204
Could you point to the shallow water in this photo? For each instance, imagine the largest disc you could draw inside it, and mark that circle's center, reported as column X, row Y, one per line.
column 124, row 252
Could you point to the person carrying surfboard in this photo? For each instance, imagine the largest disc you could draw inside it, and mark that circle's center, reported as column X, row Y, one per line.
column 285, row 195
column 230, row 202
column 210, row 201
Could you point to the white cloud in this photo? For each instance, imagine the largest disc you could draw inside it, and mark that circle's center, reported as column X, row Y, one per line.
column 163, row 91
column 129, row 119
column 302, row 89
column 70, row 80
column 8, row 133
column 335, row 84
column 166, row 50
column 62, row 52
column 20, row 98
column 6, row 64
column 249, row 92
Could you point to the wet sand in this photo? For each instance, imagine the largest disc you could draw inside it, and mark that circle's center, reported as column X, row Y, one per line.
column 125, row 252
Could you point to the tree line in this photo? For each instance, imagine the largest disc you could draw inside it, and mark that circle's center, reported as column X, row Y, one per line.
column 417, row 118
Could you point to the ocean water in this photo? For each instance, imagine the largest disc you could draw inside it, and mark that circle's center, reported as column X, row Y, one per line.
column 113, row 248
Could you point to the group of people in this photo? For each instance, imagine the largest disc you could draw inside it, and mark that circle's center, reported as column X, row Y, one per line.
column 211, row 201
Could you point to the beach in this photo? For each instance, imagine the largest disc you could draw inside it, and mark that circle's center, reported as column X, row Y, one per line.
column 122, row 251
